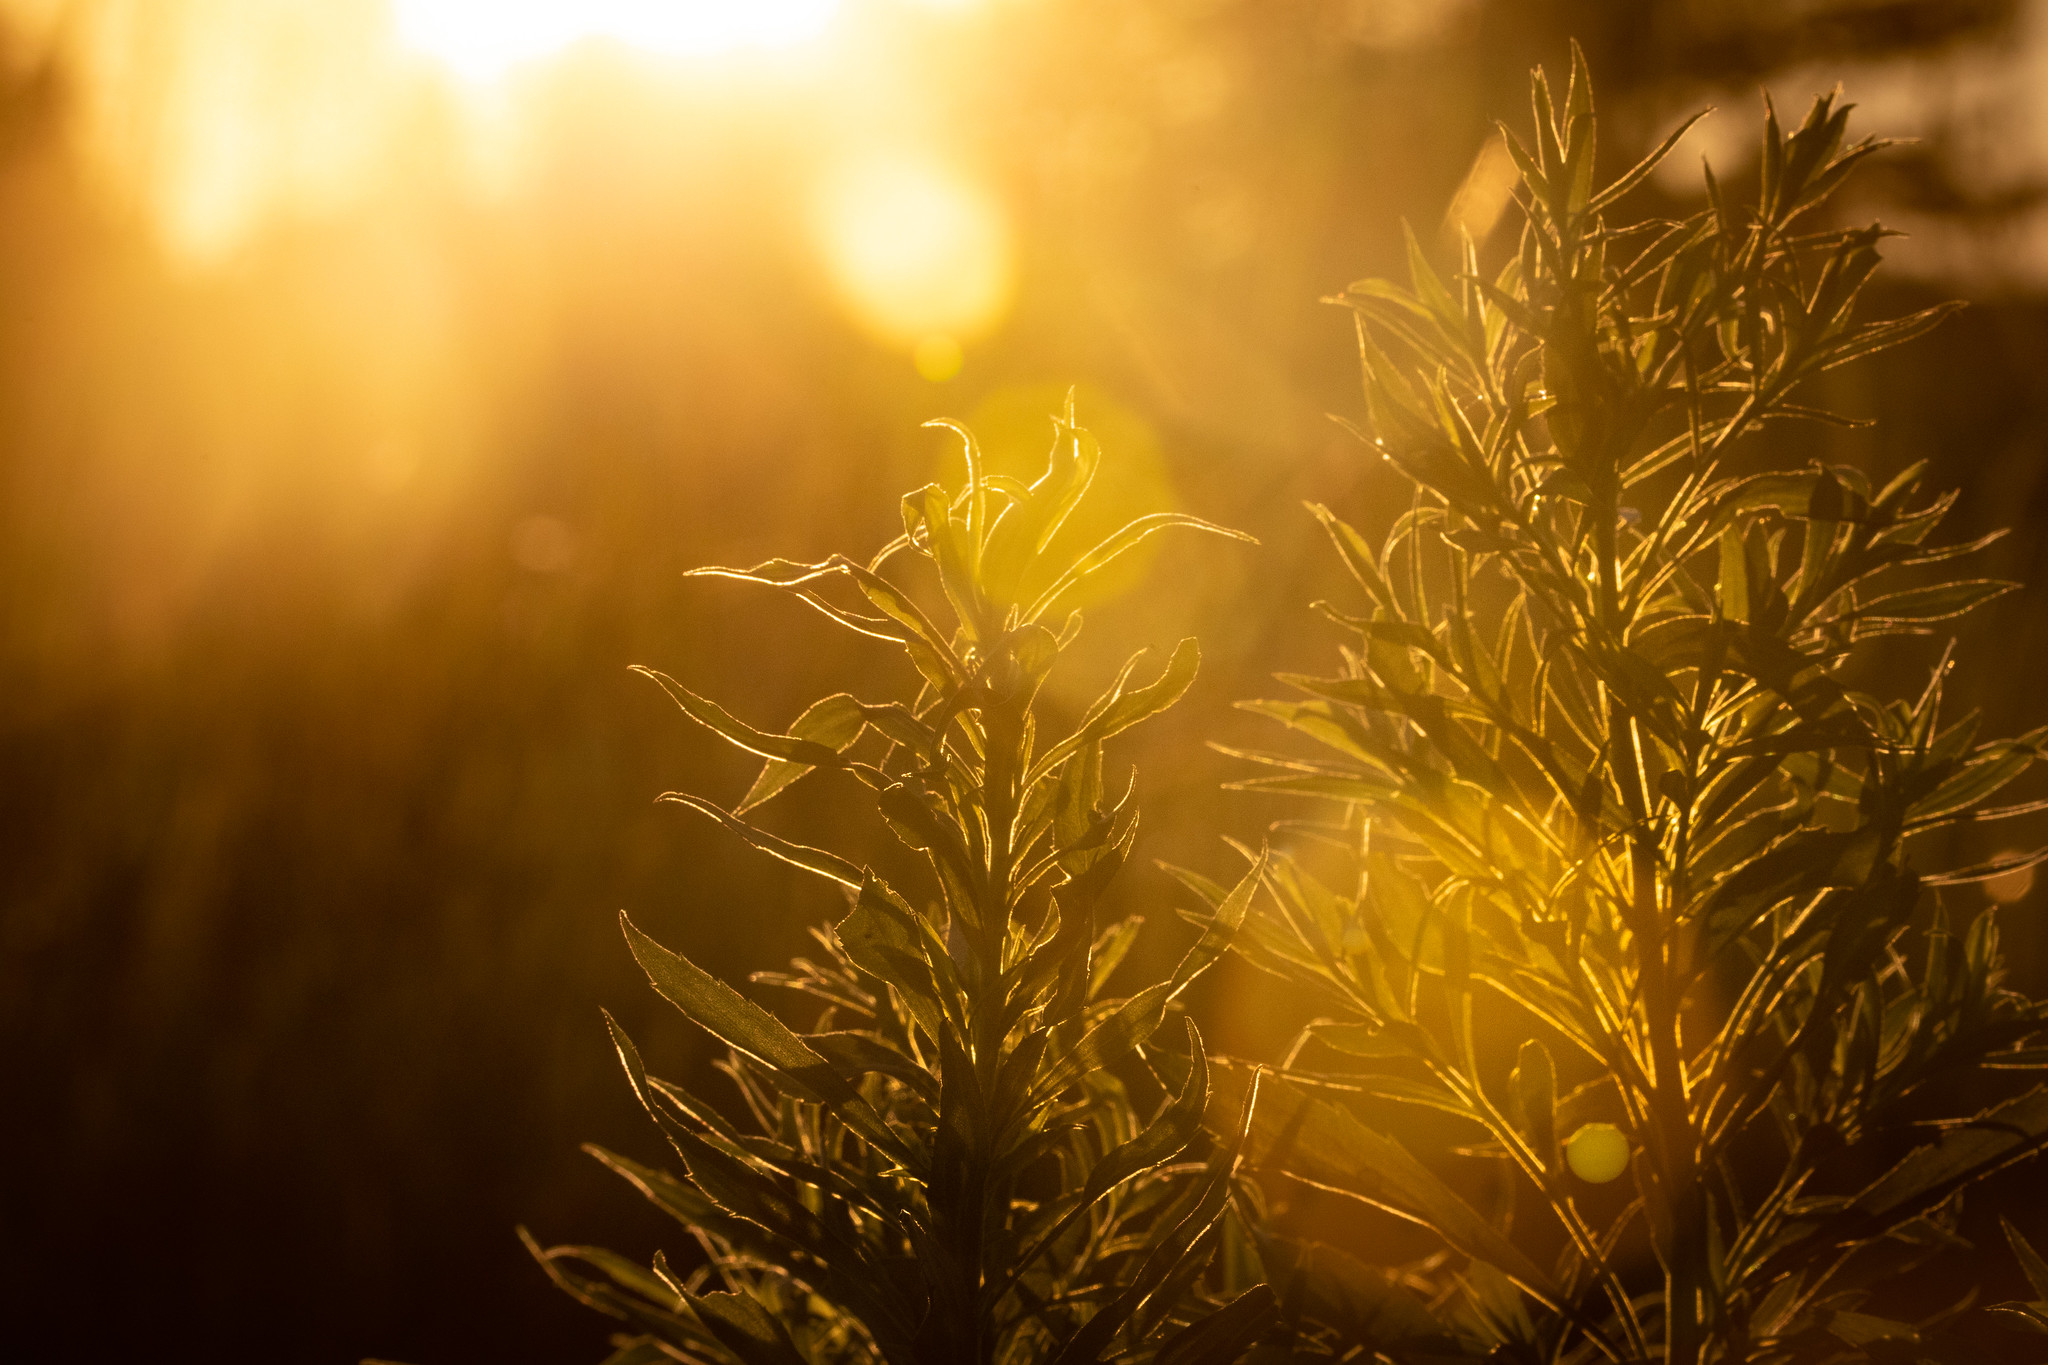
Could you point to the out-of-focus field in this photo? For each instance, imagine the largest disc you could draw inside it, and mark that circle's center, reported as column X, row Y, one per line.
column 369, row 377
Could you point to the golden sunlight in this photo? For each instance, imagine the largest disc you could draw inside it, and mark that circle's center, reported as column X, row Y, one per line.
column 481, row 39
column 217, row 118
column 921, row 256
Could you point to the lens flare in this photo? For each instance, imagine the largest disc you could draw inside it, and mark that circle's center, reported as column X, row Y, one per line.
column 938, row 357
column 915, row 250
column 1597, row 1153
column 2012, row 887
column 482, row 39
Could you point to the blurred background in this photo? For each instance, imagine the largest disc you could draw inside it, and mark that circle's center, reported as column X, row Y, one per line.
column 370, row 371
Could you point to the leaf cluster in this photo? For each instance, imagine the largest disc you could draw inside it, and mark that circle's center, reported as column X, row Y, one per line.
column 1620, row 831
column 947, row 1164
column 1624, row 832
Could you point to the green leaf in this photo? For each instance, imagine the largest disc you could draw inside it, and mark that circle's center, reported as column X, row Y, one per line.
column 885, row 939
column 1534, row 1087
column 1365, row 1304
column 1165, row 1138
column 1937, row 602
column 1391, row 1039
column 1640, row 172
column 1023, row 532
column 1134, row 1021
column 853, row 1054
column 1429, row 288
column 806, row 752
column 1114, row 545
column 1356, row 554
column 1160, row 1141
column 1734, row 579
column 2030, row 1260
column 1499, row 1306
column 1959, row 1156
column 828, row 865
column 1168, row 1252
column 835, row 722
column 1988, row 771
column 1532, row 173
column 684, row 1203
column 745, row 1328
column 1833, row 732
column 2002, row 866
column 1118, row 710
column 1220, row 1337
column 1324, row 1145
column 741, row 1024
column 927, row 645
column 2032, row 1317
column 635, row 1353
column 608, row 1299
column 1862, row 1329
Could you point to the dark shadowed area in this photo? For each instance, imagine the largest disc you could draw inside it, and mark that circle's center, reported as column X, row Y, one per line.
column 362, row 403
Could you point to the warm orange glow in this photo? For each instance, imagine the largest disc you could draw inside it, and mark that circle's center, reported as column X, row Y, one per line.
column 485, row 38
column 221, row 117
column 215, row 117
column 915, row 250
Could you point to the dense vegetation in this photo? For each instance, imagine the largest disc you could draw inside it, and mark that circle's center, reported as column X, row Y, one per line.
column 947, row 1166
column 1624, row 866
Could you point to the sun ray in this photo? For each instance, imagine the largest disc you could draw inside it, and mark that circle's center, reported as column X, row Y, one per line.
column 483, row 39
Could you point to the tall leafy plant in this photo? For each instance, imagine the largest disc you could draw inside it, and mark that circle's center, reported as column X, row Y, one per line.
column 943, row 1165
column 1638, row 870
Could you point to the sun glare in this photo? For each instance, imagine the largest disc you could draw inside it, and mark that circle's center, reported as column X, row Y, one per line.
column 920, row 255
column 482, row 39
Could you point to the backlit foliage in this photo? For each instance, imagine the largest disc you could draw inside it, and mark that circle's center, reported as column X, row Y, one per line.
column 945, row 1166
column 1633, row 828
column 1634, row 887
